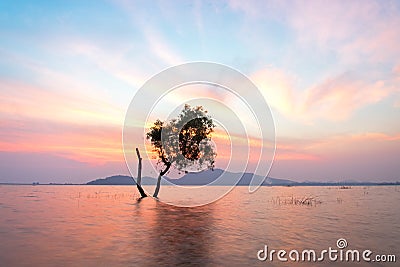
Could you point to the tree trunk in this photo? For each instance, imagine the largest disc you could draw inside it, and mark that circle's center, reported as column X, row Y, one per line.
column 139, row 176
column 157, row 186
column 159, row 179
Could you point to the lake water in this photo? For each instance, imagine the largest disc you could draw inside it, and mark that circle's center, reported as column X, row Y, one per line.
column 107, row 226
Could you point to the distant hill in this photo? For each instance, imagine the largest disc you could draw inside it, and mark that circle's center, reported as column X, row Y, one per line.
column 114, row 180
column 122, row 180
column 199, row 178
column 208, row 176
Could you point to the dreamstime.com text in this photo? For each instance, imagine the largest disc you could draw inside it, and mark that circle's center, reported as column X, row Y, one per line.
column 338, row 253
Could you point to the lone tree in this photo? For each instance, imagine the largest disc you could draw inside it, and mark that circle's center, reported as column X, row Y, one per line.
column 184, row 142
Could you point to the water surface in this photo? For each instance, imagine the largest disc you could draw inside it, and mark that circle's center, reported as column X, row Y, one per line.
column 107, row 226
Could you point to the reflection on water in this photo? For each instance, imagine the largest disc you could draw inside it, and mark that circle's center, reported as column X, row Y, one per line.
column 184, row 234
column 107, row 226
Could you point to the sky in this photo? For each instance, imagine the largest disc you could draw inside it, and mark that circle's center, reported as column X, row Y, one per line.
column 330, row 71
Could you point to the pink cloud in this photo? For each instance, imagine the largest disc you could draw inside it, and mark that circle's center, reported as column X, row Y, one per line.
column 325, row 149
column 355, row 31
column 334, row 99
column 56, row 100
column 289, row 149
column 338, row 97
column 396, row 71
column 278, row 89
column 84, row 143
column 369, row 156
column 279, row 156
column 47, row 168
column 377, row 137
column 349, row 145
column 397, row 103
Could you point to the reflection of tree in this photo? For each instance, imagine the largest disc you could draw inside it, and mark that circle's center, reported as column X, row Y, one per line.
column 182, row 236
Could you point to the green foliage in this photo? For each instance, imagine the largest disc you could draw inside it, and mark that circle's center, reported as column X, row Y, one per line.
column 184, row 142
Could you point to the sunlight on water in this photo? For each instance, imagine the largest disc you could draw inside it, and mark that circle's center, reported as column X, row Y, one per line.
column 107, row 226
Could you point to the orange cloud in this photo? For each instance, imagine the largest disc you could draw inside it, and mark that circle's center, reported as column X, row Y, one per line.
column 349, row 145
column 375, row 137
column 361, row 36
column 295, row 149
column 334, row 99
column 90, row 144
column 277, row 88
column 41, row 102
column 354, row 145
column 294, row 156
column 337, row 98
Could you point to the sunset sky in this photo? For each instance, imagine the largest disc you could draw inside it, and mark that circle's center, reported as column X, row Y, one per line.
column 330, row 71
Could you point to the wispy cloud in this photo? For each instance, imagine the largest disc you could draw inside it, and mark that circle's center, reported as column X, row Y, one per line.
column 356, row 30
column 51, row 103
column 397, row 103
column 278, row 89
column 160, row 47
column 334, row 99
column 113, row 62
column 89, row 144
column 369, row 156
column 339, row 97
column 345, row 144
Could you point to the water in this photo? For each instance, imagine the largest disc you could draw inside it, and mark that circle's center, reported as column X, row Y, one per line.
column 107, row 226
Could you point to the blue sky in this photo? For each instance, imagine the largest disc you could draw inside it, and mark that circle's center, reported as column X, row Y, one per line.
column 329, row 71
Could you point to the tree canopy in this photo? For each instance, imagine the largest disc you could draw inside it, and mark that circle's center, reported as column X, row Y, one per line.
column 184, row 142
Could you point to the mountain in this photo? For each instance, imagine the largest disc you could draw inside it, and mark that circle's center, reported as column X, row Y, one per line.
column 114, row 180
column 199, row 178
column 208, row 176
column 122, row 180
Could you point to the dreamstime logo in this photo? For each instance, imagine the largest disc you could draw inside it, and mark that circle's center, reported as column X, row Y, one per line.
column 341, row 243
column 242, row 117
column 331, row 254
